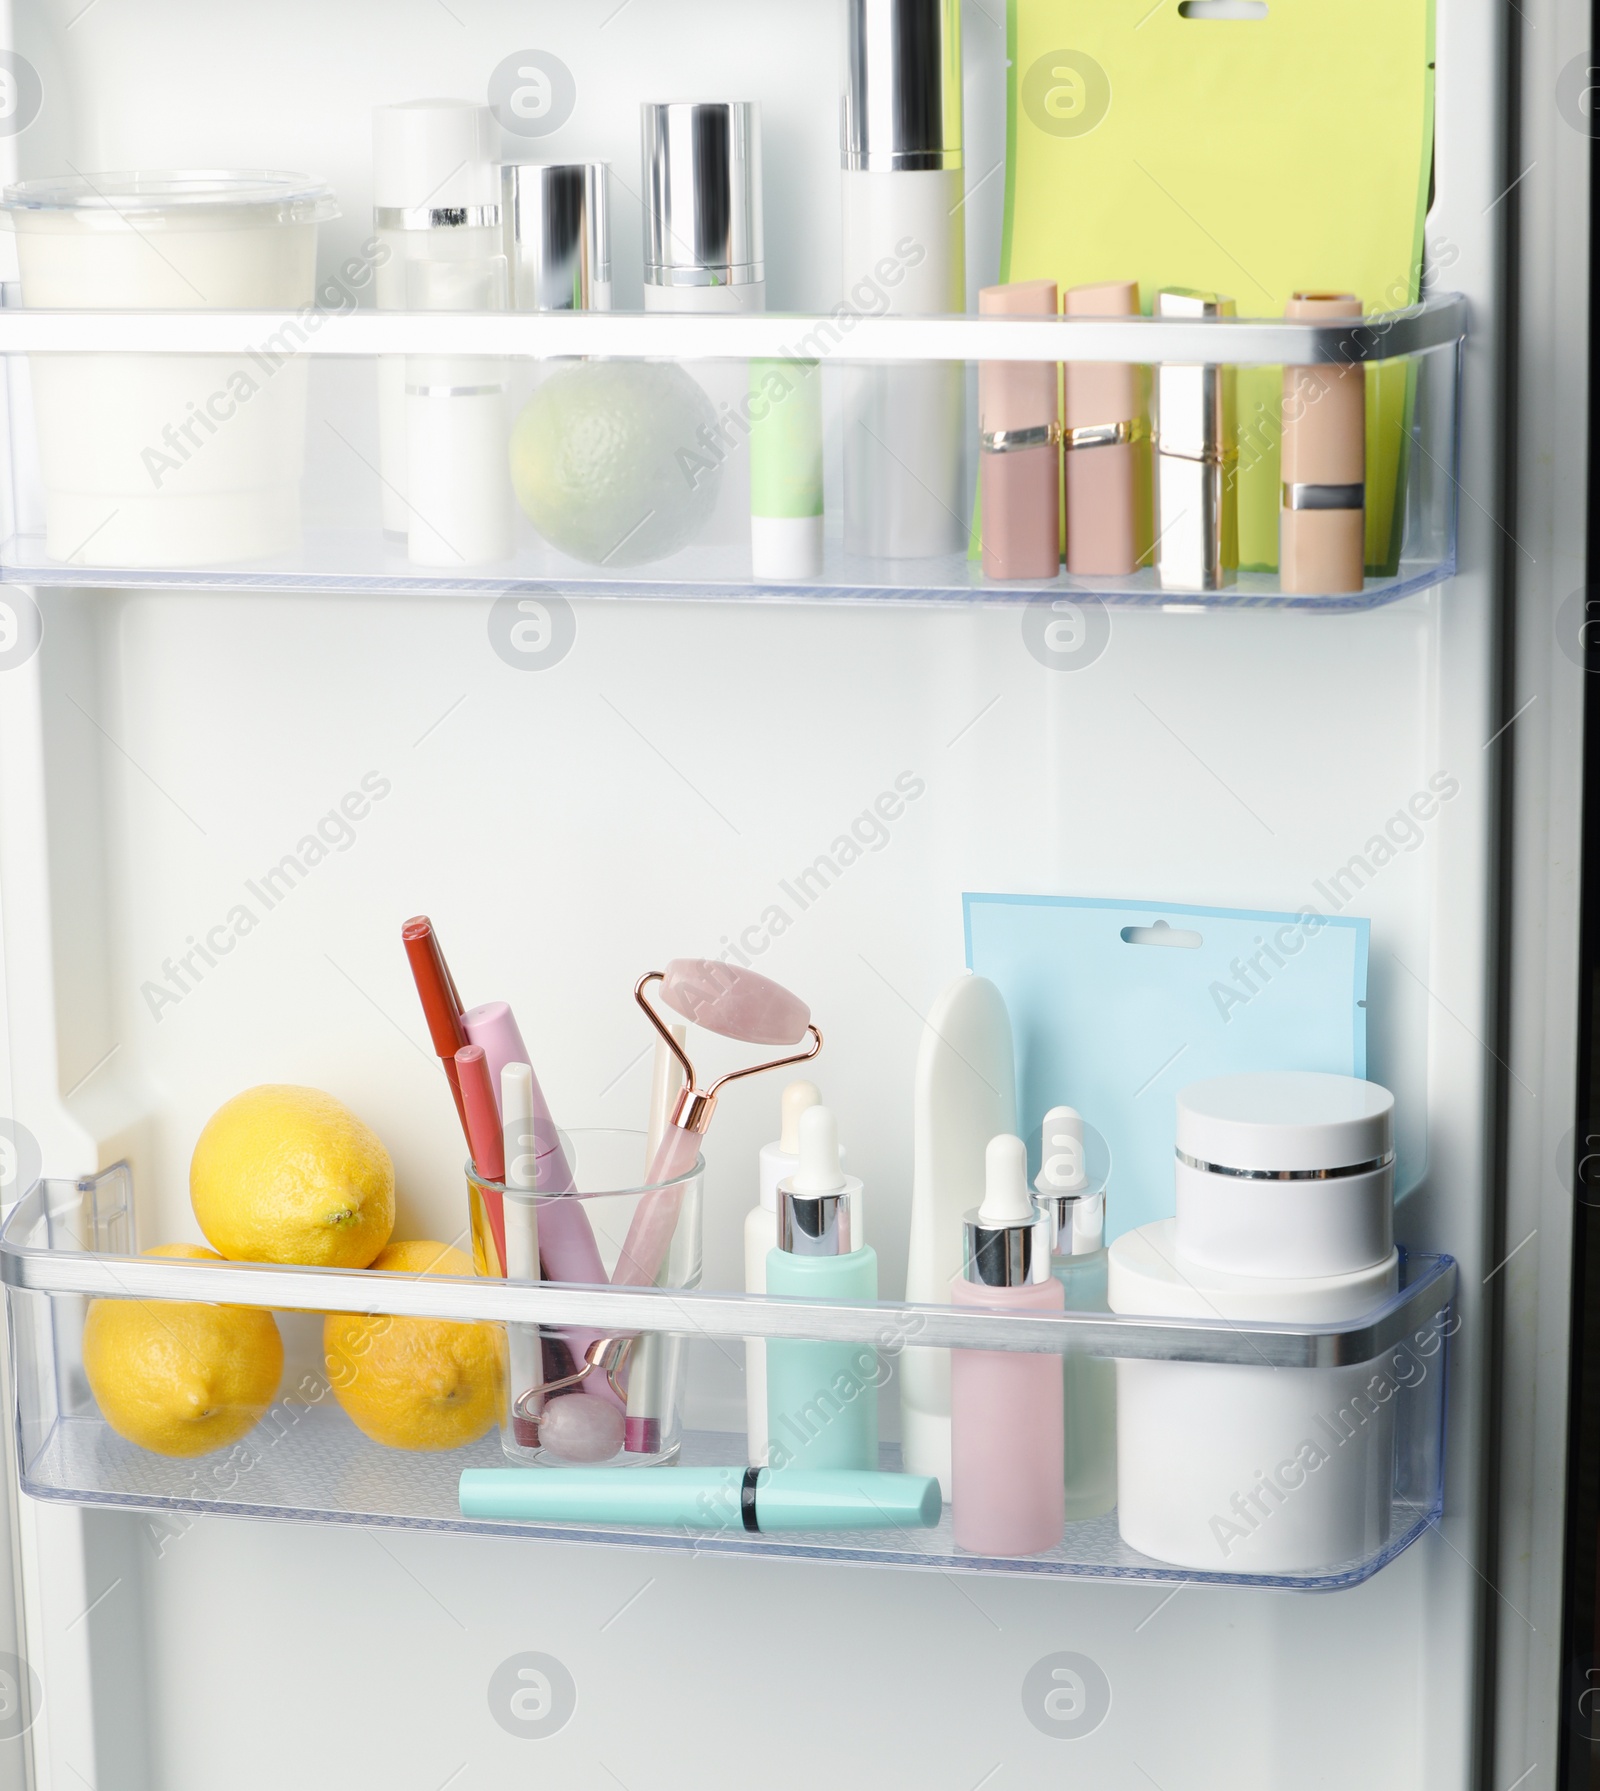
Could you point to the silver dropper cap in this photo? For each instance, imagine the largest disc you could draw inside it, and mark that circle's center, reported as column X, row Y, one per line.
column 702, row 180
column 1008, row 1238
column 814, row 1224
column 1077, row 1208
column 558, row 240
column 902, row 96
column 814, row 1203
column 1009, row 1255
column 1079, row 1221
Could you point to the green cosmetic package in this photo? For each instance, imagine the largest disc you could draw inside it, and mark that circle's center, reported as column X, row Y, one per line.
column 1257, row 156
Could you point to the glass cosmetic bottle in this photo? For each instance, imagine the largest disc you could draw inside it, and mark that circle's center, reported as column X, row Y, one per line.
column 1089, row 1383
column 1005, row 1406
column 822, row 1398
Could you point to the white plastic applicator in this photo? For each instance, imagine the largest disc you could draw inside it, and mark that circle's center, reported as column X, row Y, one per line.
column 819, row 1171
column 1007, row 1199
column 1061, row 1153
column 797, row 1098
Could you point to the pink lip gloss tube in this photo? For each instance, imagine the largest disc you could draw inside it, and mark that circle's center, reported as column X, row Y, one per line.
column 1019, row 415
column 1007, row 1480
column 1322, row 524
column 1103, row 433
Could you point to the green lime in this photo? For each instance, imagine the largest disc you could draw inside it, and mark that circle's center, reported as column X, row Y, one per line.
column 618, row 462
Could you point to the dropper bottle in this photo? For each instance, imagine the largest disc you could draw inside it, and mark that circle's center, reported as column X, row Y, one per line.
column 779, row 1160
column 822, row 1398
column 1089, row 1383
column 1005, row 1406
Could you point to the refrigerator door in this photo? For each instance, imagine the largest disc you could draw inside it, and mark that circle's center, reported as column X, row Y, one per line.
column 661, row 786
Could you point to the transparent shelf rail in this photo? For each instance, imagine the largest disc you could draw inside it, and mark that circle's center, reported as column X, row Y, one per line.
column 1376, row 1385
column 227, row 449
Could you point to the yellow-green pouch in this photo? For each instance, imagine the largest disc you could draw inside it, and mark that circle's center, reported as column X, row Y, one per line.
column 1252, row 156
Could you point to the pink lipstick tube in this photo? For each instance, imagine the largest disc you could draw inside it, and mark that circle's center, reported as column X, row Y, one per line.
column 1322, row 522
column 1103, row 435
column 1019, row 415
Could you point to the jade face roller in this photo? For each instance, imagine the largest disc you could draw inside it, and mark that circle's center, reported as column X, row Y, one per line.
column 738, row 1004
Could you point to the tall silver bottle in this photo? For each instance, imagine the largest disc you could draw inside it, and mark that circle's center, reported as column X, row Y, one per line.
column 904, row 444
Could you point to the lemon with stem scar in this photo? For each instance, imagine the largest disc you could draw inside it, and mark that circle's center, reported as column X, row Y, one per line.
column 283, row 1174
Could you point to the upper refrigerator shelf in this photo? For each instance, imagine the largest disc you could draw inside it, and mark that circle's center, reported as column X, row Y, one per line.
column 754, row 456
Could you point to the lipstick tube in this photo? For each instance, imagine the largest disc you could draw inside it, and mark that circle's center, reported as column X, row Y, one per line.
column 1103, row 432
column 1322, row 524
column 1019, row 423
column 1197, row 460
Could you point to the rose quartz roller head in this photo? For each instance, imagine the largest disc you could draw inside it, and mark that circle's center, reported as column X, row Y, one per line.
column 1322, row 522
column 1019, row 419
column 1102, row 433
column 739, row 1004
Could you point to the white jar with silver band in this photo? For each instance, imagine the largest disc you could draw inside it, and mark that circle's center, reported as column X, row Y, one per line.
column 1285, row 1190
column 1285, row 1172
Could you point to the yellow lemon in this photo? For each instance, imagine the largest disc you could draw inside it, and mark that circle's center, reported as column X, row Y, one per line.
column 179, row 1377
column 285, row 1174
column 415, row 1383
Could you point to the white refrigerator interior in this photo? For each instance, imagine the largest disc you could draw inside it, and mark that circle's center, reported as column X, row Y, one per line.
column 654, row 791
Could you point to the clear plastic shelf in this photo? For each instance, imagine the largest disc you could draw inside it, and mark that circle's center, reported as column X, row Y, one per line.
column 232, row 449
column 67, row 1242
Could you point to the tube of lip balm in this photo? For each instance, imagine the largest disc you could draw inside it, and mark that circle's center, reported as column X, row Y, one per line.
column 1102, row 435
column 1322, row 525
column 1019, row 420
column 731, row 1499
column 785, row 470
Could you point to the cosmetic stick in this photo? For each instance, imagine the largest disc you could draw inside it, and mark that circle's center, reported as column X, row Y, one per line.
column 1019, row 439
column 1104, row 437
column 904, row 460
column 1322, row 522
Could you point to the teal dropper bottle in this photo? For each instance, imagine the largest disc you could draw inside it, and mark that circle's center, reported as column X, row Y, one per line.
column 822, row 1398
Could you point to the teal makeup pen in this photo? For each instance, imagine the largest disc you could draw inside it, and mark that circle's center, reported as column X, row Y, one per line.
column 755, row 1500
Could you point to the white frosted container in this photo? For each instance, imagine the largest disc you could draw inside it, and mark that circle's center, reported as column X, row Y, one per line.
column 1285, row 1172
column 170, row 460
column 1242, row 1469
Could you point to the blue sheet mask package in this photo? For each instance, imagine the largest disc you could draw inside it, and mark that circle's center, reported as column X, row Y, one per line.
column 1115, row 1006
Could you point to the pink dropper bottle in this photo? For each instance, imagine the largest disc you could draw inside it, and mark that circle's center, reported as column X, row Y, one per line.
column 1006, row 1483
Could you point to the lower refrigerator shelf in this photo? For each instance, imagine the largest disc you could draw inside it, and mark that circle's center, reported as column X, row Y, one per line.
column 1300, row 1455
column 310, row 1465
